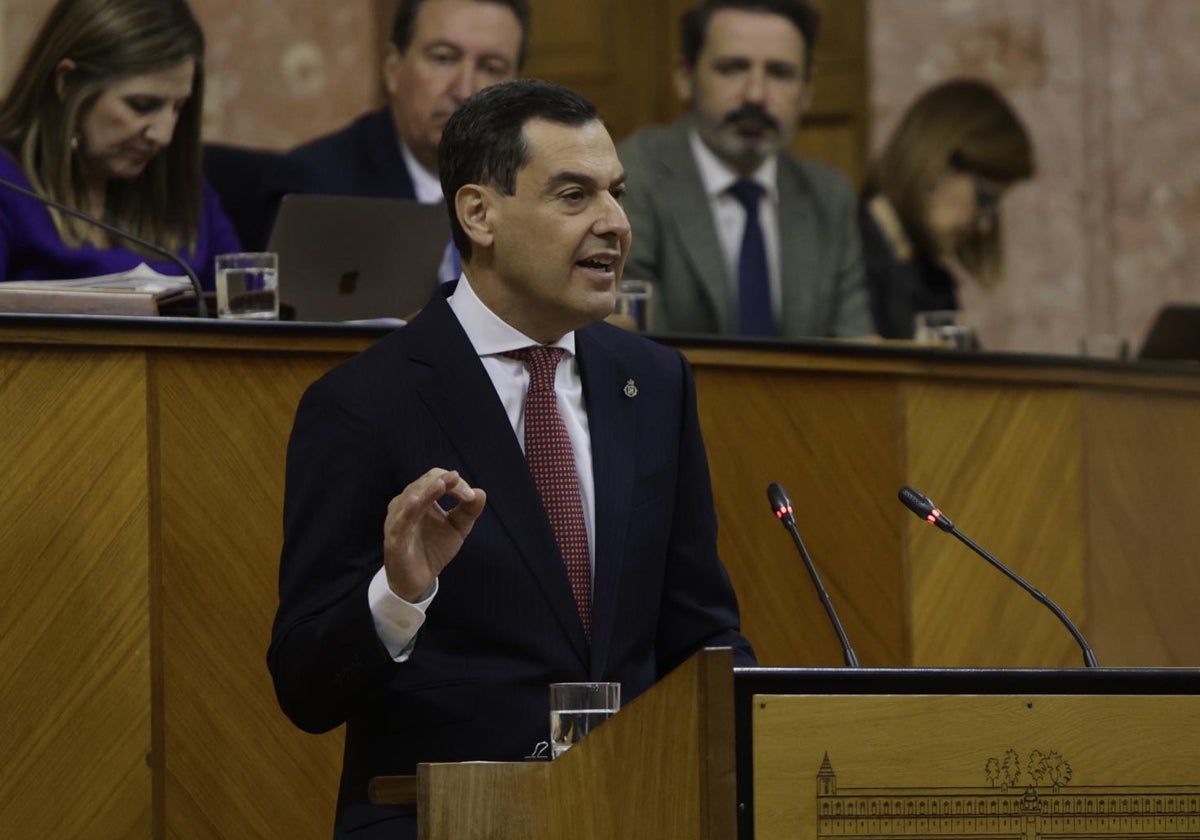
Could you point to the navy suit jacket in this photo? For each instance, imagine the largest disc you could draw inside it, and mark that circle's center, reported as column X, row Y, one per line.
column 361, row 159
column 504, row 624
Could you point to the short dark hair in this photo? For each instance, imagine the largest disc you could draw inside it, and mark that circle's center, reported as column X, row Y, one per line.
column 484, row 140
column 405, row 23
column 694, row 24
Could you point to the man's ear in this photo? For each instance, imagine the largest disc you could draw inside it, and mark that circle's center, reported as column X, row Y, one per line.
column 806, row 95
column 684, row 80
column 475, row 206
column 60, row 76
column 391, row 70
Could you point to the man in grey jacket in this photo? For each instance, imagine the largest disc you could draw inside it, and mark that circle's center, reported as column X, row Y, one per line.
column 738, row 236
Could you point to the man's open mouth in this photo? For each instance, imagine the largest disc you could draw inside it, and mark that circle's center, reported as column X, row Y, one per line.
column 597, row 263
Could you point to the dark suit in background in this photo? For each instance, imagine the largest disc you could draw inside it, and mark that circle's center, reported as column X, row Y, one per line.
column 675, row 242
column 899, row 288
column 238, row 174
column 361, row 159
column 504, row 623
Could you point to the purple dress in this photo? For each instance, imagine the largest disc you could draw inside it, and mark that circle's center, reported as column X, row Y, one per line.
column 31, row 249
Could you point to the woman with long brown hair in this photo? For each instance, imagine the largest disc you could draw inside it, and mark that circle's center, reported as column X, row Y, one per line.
column 104, row 116
column 930, row 212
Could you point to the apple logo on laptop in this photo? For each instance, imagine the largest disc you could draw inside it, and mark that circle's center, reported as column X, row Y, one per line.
column 348, row 284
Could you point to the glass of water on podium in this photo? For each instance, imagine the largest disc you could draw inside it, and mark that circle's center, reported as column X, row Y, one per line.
column 635, row 305
column 576, row 708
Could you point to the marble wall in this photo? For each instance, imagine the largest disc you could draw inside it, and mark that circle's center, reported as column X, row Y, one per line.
column 1104, row 235
column 278, row 71
column 1110, row 228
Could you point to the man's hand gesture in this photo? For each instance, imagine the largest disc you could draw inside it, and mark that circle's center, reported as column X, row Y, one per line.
column 419, row 538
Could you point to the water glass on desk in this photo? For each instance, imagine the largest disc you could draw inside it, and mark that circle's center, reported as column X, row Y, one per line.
column 944, row 328
column 635, row 305
column 578, row 708
column 248, row 285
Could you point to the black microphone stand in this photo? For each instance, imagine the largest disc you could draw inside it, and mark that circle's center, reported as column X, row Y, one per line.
column 1089, row 658
column 782, row 506
column 923, row 506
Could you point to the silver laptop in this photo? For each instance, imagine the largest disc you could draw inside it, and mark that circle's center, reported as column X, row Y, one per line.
column 344, row 258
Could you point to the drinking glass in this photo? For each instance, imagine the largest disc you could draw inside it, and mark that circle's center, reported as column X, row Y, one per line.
column 944, row 328
column 248, row 285
column 576, row 708
column 635, row 305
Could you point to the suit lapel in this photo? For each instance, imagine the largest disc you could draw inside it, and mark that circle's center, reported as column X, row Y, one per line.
column 462, row 399
column 691, row 215
column 611, row 426
column 383, row 148
column 798, row 268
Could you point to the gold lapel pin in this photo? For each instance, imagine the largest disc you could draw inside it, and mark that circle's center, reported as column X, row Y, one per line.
column 630, row 388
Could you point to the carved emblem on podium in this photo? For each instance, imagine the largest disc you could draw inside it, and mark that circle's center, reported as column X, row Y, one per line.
column 1025, row 795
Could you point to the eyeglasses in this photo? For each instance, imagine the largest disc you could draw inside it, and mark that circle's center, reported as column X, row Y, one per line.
column 987, row 193
column 987, row 198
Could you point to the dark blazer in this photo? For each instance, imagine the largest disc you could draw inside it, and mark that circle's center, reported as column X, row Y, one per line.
column 504, row 624
column 900, row 289
column 237, row 174
column 675, row 242
column 361, row 159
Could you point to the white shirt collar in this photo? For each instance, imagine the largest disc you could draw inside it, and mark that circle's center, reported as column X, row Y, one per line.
column 489, row 334
column 717, row 176
column 426, row 184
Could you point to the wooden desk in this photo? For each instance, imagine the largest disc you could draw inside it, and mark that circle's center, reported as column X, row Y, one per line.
column 140, row 530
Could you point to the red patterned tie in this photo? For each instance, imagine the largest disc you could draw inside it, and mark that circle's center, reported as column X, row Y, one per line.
column 552, row 463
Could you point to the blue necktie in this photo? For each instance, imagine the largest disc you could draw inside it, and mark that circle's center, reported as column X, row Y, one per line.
column 754, row 285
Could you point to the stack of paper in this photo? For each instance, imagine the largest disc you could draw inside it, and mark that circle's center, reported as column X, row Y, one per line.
column 139, row 291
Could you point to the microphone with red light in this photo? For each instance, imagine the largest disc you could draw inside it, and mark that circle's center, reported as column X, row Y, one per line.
column 782, row 506
column 923, row 506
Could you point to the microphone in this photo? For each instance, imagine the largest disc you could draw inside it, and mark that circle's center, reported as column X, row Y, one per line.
column 923, row 506
column 782, row 506
column 201, row 305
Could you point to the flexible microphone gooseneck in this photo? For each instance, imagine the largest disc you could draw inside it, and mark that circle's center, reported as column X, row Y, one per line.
column 923, row 506
column 201, row 305
column 782, row 507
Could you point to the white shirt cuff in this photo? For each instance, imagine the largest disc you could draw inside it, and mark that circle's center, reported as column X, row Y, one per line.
column 396, row 620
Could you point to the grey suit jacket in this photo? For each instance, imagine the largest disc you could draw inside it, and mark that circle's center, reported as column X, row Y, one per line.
column 675, row 243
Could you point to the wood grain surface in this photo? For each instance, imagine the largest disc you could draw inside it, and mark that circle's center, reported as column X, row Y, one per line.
column 932, row 752
column 222, row 442
column 75, row 702
column 662, row 768
column 140, row 535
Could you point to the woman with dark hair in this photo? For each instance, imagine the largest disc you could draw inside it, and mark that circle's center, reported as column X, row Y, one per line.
column 104, row 116
column 930, row 210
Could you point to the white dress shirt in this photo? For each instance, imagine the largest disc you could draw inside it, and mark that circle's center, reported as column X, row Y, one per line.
column 428, row 188
column 396, row 620
column 730, row 216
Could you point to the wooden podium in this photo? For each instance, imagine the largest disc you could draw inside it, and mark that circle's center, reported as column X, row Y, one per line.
column 143, row 467
column 713, row 753
column 661, row 768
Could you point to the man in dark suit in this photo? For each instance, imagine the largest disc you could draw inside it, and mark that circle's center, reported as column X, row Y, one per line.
column 693, row 186
column 441, row 51
column 435, row 577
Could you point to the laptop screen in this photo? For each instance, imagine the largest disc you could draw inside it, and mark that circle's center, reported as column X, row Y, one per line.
column 1174, row 334
column 347, row 258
